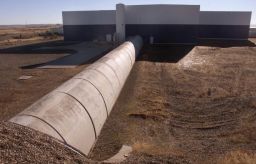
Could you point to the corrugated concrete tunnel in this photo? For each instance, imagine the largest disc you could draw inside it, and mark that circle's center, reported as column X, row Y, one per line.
column 75, row 112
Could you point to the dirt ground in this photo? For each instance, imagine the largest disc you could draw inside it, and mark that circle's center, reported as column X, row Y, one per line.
column 17, row 143
column 15, row 94
column 184, row 104
column 180, row 104
column 26, row 34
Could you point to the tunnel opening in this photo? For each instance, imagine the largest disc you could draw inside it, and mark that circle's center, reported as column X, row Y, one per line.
column 164, row 53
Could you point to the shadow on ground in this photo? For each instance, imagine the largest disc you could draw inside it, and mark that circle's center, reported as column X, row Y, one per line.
column 58, row 63
column 153, row 53
column 164, row 53
column 78, row 53
column 36, row 48
column 225, row 43
column 171, row 53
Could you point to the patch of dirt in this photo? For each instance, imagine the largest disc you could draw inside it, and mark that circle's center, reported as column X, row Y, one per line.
column 27, row 34
column 184, row 104
column 15, row 94
column 180, row 104
column 238, row 157
column 19, row 144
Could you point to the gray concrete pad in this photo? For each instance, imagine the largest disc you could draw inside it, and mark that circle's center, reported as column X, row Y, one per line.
column 121, row 155
column 24, row 77
column 85, row 52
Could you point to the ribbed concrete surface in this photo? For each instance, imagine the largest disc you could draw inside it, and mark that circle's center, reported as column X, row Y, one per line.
column 76, row 111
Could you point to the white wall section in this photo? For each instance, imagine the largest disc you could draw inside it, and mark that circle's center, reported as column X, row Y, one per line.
column 162, row 14
column 120, row 22
column 101, row 17
column 225, row 18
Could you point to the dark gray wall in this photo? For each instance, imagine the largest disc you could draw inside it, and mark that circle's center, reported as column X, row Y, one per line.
column 224, row 25
column 223, row 31
column 166, row 23
column 88, row 25
column 164, row 33
column 87, row 32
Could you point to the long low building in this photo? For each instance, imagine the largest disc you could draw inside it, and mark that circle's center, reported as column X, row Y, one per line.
column 156, row 24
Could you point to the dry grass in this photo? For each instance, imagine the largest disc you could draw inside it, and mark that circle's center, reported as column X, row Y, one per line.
column 19, row 144
column 15, row 94
column 142, row 147
column 193, row 110
column 154, row 114
column 238, row 157
column 152, row 149
column 20, row 35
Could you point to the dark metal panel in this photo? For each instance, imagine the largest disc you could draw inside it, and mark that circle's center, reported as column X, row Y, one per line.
column 164, row 33
column 224, row 31
column 87, row 32
column 161, row 33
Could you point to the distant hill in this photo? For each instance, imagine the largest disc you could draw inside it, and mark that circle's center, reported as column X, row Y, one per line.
column 31, row 26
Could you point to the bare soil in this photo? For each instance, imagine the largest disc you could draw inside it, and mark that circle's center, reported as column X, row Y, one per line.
column 19, row 144
column 184, row 104
column 180, row 104
column 27, row 34
column 15, row 94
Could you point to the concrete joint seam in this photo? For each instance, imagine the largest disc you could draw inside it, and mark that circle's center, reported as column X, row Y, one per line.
column 75, row 112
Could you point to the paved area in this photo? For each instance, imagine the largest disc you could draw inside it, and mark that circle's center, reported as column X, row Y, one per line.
column 83, row 53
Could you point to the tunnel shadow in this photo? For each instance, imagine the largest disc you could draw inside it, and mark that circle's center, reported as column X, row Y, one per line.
column 69, row 61
column 33, row 66
column 73, row 59
column 171, row 53
column 54, row 47
column 225, row 43
column 164, row 53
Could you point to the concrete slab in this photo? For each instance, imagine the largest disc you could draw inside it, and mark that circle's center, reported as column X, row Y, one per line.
column 84, row 52
column 121, row 155
column 24, row 77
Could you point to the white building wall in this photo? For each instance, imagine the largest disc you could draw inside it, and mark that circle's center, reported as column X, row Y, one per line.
column 162, row 14
column 120, row 22
column 102, row 17
column 225, row 18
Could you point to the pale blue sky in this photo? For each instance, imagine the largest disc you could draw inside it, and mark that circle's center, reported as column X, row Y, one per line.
column 49, row 11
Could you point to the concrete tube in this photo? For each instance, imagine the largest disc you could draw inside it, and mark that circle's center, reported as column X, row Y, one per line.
column 76, row 111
